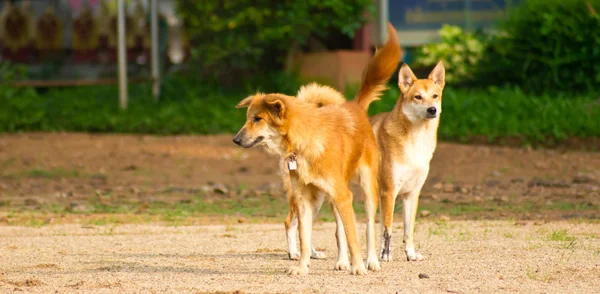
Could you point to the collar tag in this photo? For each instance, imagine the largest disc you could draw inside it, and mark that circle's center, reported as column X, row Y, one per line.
column 292, row 164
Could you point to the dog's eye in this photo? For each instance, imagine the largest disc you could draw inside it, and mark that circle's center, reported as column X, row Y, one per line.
column 418, row 97
column 435, row 96
column 257, row 119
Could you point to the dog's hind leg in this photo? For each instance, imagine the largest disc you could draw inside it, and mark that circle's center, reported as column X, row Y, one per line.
column 368, row 181
column 314, row 254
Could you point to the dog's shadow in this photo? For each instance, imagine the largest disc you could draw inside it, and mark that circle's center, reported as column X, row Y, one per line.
column 151, row 263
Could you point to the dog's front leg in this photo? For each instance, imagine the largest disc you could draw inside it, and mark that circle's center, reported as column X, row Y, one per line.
column 410, row 204
column 305, row 217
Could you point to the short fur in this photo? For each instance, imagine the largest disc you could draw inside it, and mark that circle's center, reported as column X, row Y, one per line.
column 407, row 138
column 331, row 144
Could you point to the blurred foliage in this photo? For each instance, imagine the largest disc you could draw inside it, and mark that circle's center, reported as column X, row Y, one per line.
column 12, row 72
column 232, row 39
column 192, row 107
column 546, row 45
column 460, row 51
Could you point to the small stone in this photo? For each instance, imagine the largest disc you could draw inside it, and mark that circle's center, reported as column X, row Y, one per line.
column 478, row 199
column 464, row 190
column 241, row 220
column 424, row 213
column 444, row 218
column 423, row 276
column 437, row 186
column 220, row 189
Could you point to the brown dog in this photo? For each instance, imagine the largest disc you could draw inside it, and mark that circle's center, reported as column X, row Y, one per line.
column 326, row 147
column 407, row 138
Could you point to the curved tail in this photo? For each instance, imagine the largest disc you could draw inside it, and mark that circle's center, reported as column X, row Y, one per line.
column 380, row 69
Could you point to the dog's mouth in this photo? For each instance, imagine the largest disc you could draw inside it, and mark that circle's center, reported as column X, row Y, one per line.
column 431, row 116
column 258, row 140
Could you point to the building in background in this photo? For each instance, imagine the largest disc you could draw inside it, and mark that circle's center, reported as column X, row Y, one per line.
column 70, row 39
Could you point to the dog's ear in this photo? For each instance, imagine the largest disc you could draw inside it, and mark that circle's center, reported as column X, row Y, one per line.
column 438, row 75
column 405, row 78
column 245, row 103
column 276, row 105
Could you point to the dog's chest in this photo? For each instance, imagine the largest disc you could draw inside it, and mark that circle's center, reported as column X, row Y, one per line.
column 410, row 169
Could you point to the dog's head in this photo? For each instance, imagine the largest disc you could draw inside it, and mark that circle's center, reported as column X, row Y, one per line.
column 265, row 120
column 422, row 99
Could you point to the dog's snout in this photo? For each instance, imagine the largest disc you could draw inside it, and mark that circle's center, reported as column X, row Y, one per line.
column 237, row 140
column 432, row 110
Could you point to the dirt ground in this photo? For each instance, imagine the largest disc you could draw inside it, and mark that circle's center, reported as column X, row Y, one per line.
column 461, row 257
column 493, row 219
column 465, row 182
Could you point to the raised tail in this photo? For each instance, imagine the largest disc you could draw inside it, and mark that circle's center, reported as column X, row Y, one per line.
column 381, row 67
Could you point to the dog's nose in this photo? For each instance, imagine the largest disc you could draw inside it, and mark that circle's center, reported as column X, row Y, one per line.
column 431, row 110
column 237, row 140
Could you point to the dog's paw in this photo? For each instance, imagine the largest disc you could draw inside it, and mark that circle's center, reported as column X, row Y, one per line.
column 318, row 255
column 412, row 255
column 298, row 271
column 358, row 269
column 386, row 256
column 342, row 265
column 294, row 255
column 373, row 264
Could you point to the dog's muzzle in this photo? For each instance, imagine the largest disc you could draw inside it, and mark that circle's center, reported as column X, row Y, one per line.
column 432, row 112
column 239, row 140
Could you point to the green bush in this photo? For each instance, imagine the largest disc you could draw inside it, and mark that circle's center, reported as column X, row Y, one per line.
column 460, row 51
column 546, row 45
column 232, row 39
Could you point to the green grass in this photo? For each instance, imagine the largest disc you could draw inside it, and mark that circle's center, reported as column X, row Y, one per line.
column 190, row 106
column 561, row 235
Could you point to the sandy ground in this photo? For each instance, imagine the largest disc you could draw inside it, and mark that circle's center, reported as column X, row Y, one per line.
column 461, row 257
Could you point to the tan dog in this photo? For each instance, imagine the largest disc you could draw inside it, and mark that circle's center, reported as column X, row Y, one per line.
column 319, row 96
column 407, row 138
column 327, row 147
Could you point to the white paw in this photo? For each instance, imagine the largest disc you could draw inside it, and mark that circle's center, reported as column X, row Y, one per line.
column 298, row 271
column 412, row 255
column 358, row 269
column 373, row 264
column 342, row 265
column 294, row 255
column 318, row 255
column 386, row 256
